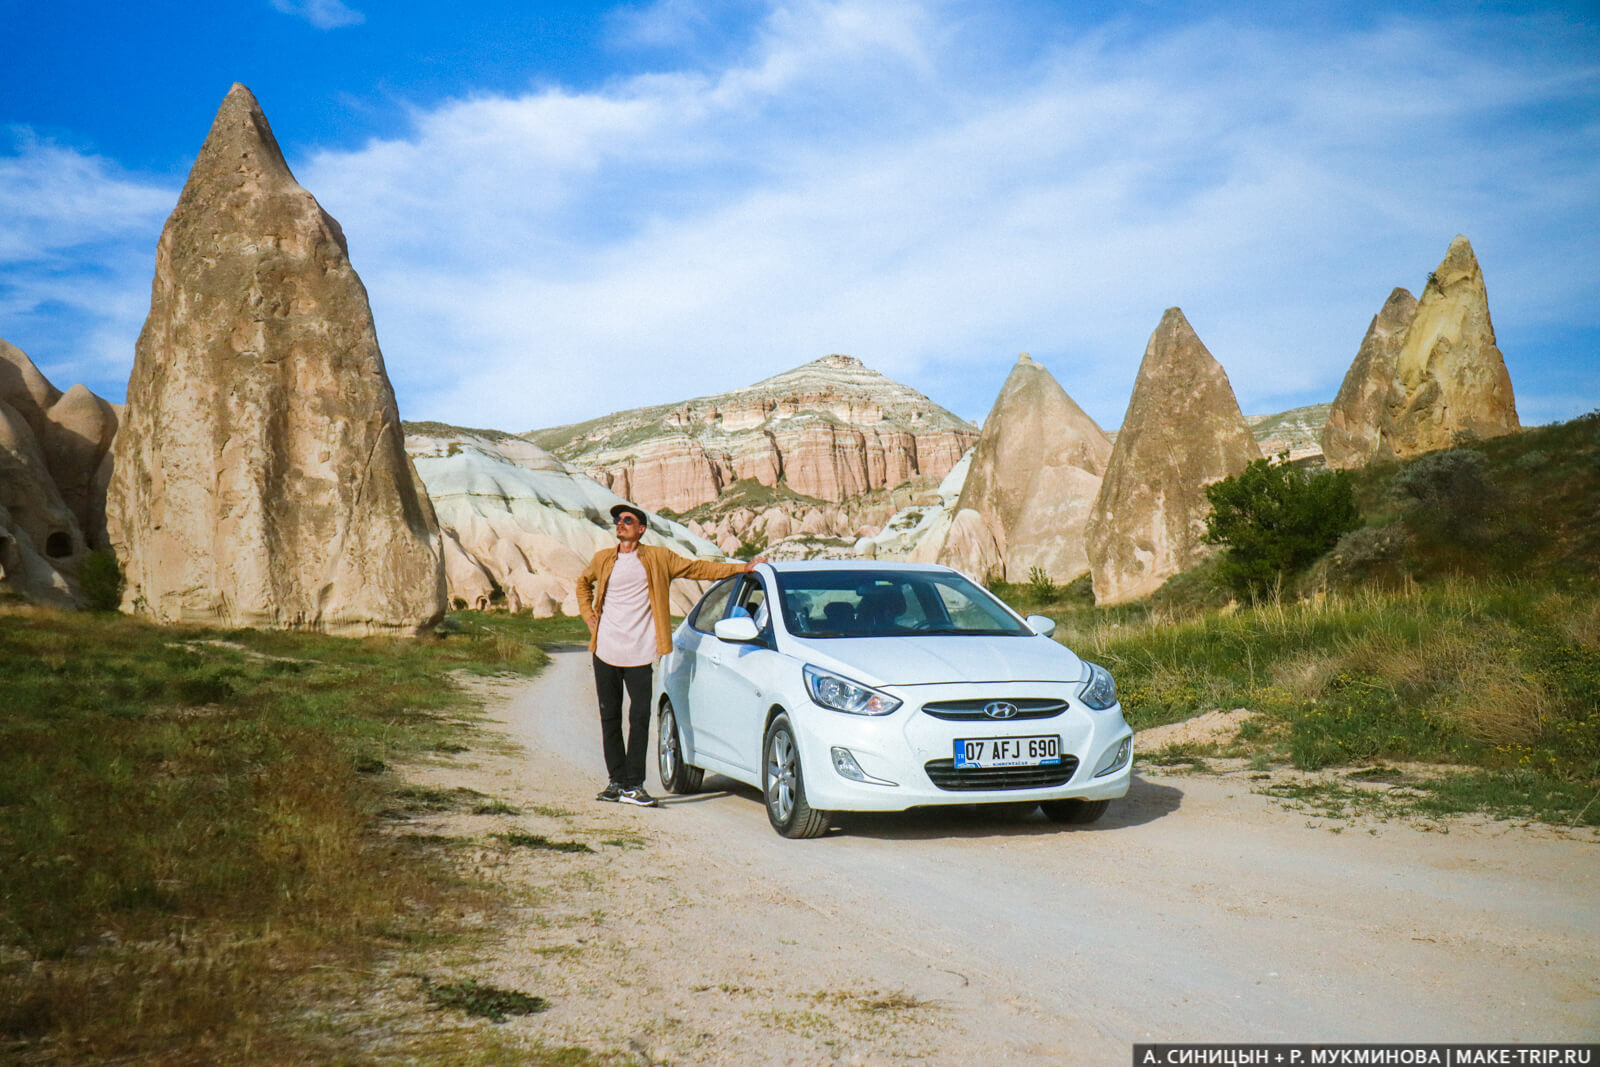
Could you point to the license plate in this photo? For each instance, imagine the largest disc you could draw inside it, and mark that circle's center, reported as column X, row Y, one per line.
column 1008, row 752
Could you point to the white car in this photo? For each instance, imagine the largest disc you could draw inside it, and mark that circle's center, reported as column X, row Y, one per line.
column 867, row 686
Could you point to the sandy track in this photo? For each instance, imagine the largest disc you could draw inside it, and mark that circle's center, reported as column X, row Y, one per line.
column 1195, row 910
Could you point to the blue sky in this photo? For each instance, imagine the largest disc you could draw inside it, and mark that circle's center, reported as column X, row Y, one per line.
column 564, row 209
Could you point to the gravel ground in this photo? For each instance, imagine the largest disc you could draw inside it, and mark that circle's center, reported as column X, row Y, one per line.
column 1196, row 910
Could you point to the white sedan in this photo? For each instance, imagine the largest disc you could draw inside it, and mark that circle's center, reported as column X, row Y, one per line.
column 868, row 686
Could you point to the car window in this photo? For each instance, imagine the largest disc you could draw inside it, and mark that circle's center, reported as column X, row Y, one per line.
column 752, row 598
column 709, row 610
column 857, row 603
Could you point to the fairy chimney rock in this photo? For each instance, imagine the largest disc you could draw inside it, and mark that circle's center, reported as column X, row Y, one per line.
column 1357, row 419
column 1183, row 431
column 260, row 477
column 1450, row 379
column 1035, row 473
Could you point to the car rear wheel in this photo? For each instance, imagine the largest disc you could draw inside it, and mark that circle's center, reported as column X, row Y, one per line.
column 676, row 775
column 783, row 785
column 1076, row 811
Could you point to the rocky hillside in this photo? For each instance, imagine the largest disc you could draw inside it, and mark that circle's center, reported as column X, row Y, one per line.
column 1297, row 431
column 518, row 525
column 830, row 430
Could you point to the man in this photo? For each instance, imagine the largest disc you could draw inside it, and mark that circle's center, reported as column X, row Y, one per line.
column 622, row 596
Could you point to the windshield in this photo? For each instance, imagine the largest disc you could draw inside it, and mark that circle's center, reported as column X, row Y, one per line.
column 897, row 603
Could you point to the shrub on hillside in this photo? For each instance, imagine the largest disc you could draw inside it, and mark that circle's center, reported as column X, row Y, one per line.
column 1447, row 496
column 1275, row 520
column 100, row 580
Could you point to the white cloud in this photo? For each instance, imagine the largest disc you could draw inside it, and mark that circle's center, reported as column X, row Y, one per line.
column 931, row 187
column 77, row 241
column 861, row 182
column 323, row 14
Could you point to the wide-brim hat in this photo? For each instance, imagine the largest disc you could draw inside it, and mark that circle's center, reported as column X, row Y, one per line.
column 619, row 510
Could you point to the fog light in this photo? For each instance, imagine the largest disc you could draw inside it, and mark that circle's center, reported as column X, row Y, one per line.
column 1118, row 760
column 846, row 765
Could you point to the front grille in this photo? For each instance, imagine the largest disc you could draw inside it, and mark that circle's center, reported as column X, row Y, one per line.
column 943, row 773
column 1027, row 708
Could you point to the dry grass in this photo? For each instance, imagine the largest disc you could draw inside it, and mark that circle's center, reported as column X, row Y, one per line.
column 192, row 856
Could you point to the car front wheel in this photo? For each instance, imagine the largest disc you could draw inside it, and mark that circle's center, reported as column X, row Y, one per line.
column 676, row 775
column 783, row 785
column 1076, row 811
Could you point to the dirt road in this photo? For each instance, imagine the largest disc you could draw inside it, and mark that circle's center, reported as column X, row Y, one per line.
column 1195, row 910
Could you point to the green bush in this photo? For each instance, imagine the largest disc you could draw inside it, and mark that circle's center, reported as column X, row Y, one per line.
column 752, row 548
column 1275, row 520
column 1447, row 496
column 100, row 579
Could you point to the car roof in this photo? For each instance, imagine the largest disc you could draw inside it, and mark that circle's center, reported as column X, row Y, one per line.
column 787, row 565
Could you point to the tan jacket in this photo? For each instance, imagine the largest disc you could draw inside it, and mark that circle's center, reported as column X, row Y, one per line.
column 660, row 567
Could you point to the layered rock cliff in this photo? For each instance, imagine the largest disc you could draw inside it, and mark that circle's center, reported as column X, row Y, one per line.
column 830, row 430
column 260, row 478
column 1034, row 477
column 519, row 525
column 1183, row 431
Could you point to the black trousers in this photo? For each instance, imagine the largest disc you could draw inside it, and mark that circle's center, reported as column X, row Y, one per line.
column 624, row 760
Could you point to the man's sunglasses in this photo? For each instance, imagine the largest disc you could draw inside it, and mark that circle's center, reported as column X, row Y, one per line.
column 628, row 520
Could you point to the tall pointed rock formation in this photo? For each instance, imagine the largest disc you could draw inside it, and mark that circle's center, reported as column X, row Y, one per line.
column 1357, row 419
column 260, row 477
column 1450, row 378
column 1183, row 431
column 1035, row 473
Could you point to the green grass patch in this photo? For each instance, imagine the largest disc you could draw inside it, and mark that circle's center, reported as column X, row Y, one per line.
column 539, row 841
column 1499, row 677
column 481, row 1000
column 190, row 834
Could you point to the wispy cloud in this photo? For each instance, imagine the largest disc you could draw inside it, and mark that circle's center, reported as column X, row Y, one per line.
column 861, row 181
column 77, row 240
column 323, row 14
column 933, row 187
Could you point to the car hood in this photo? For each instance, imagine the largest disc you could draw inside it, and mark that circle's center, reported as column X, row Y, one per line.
column 936, row 659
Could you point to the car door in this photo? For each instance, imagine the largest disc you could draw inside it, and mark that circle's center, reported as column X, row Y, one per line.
column 732, row 680
column 687, row 681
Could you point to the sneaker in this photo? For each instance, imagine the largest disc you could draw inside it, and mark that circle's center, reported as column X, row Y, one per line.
column 637, row 796
column 610, row 794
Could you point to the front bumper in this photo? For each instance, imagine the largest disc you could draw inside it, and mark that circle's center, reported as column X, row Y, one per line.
column 900, row 748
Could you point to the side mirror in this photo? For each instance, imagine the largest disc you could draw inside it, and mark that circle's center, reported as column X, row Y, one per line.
column 1040, row 625
column 740, row 628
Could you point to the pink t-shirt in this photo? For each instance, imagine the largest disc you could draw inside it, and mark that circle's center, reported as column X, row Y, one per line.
column 627, row 636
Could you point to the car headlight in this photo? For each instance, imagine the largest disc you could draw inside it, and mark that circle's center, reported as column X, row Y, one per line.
column 841, row 694
column 1099, row 692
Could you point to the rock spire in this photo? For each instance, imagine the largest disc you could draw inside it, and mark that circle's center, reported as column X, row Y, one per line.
column 1183, row 431
column 1427, row 375
column 260, row 477
column 1450, row 378
column 1359, row 414
column 1035, row 473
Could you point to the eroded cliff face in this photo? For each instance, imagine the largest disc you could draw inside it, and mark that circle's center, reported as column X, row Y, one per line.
column 54, row 466
column 519, row 525
column 830, row 430
column 259, row 476
column 1034, row 477
column 1183, row 431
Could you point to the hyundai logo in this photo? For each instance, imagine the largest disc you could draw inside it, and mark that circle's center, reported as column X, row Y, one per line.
column 999, row 709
